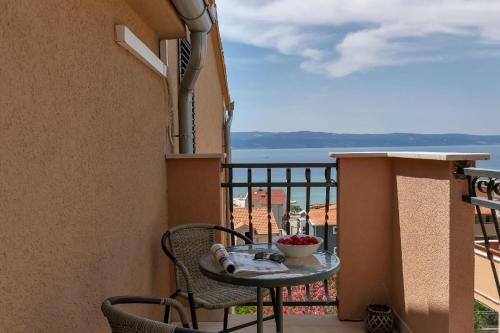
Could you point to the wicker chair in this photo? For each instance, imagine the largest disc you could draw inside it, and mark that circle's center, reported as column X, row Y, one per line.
column 184, row 245
column 121, row 321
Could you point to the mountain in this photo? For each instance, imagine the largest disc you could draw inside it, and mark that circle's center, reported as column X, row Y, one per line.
column 305, row 139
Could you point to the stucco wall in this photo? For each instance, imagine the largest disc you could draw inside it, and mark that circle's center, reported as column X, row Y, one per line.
column 406, row 238
column 209, row 105
column 82, row 174
column 364, row 225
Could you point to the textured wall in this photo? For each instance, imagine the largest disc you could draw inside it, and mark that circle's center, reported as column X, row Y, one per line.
column 209, row 105
column 433, row 263
column 406, row 238
column 82, row 170
column 194, row 190
column 364, row 234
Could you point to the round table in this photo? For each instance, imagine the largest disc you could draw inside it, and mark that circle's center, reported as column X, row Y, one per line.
column 317, row 267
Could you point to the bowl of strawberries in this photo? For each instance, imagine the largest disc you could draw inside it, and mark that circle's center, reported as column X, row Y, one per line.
column 298, row 246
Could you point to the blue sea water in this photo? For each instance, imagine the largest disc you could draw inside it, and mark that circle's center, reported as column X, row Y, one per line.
column 310, row 155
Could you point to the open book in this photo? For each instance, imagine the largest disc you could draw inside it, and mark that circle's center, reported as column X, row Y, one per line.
column 244, row 263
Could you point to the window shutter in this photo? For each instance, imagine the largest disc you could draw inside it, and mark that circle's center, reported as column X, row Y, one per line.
column 184, row 53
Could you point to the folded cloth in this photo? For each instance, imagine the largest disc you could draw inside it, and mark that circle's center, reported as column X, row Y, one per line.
column 244, row 263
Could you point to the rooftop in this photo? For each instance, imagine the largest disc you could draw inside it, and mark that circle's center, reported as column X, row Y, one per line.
column 317, row 214
column 259, row 220
column 277, row 196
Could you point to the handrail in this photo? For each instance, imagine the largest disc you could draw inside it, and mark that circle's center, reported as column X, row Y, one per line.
column 277, row 165
column 478, row 172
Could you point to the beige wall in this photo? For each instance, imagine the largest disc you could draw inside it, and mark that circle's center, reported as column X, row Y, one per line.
column 194, row 191
column 82, row 176
column 364, row 209
column 209, row 105
column 405, row 238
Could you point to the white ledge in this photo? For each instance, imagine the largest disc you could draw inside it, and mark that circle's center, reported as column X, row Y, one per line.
column 194, row 156
column 439, row 156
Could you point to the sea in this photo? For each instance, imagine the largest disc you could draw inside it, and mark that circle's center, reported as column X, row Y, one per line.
column 311, row 155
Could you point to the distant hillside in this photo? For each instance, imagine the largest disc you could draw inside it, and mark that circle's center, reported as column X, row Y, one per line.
column 248, row 140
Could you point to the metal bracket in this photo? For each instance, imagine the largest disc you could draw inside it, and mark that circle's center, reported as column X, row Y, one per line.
column 459, row 166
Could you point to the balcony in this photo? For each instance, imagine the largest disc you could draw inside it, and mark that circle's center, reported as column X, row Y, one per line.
column 403, row 231
column 294, row 324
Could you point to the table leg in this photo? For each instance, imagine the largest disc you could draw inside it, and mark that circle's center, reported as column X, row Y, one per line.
column 260, row 311
column 279, row 310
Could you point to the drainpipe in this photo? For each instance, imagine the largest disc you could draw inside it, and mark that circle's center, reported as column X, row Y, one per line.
column 198, row 17
column 227, row 131
column 227, row 137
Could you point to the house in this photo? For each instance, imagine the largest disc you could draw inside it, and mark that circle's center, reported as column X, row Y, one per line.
column 240, row 202
column 90, row 140
column 317, row 223
column 259, row 199
column 259, row 222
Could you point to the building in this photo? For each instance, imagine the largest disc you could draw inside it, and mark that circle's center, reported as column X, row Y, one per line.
column 488, row 223
column 259, row 222
column 90, row 165
column 317, row 223
column 259, row 199
column 99, row 156
column 240, row 202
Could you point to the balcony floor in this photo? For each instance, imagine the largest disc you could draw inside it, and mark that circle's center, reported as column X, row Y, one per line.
column 293, row 324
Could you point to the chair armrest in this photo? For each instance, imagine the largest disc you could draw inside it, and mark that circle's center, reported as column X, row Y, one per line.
column 152, row 300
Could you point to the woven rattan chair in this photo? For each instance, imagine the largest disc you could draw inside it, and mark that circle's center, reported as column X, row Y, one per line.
column 121, row 321
column 184, row 245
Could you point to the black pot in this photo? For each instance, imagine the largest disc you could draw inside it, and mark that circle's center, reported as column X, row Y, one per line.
column 379, row 318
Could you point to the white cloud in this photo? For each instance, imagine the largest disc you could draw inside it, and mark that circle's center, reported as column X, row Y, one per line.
column 340, row 37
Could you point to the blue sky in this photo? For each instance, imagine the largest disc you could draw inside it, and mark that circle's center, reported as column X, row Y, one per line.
column 368, row 70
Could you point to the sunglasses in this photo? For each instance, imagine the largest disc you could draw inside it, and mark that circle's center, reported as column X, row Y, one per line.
column 276, row 257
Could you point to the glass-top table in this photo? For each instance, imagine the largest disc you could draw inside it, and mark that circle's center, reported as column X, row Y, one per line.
column 316, row 267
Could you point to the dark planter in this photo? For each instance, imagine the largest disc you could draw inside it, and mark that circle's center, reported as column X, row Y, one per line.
column 379, row 318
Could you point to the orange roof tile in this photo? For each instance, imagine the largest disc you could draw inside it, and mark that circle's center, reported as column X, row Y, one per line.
column 317, row 214
column 277, row 196
column 259, row 220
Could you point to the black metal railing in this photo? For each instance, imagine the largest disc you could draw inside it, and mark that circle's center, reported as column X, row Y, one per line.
column 291, row 178
column 484, row 191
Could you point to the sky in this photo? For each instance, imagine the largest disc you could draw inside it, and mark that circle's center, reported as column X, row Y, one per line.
column 359, row 66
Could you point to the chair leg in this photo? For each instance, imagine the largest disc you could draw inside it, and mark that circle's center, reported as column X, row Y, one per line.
column 273, row 300
column 226, row 316
column 193, row 311
column 166, row 315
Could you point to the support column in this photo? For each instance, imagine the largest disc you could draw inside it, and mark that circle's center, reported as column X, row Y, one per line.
column 405, row 238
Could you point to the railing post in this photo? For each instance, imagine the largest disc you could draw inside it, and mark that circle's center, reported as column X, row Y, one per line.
column 308, row 198
column 231, row 205
column 250, row 203
column 328, row 179
column 288, row 198
column 269, row 206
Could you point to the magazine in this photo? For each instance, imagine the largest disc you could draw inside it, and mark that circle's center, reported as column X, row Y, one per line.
column 244, row 263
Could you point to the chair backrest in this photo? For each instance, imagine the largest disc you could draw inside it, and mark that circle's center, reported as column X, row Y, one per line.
column 188, row 243
column 123, row 322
